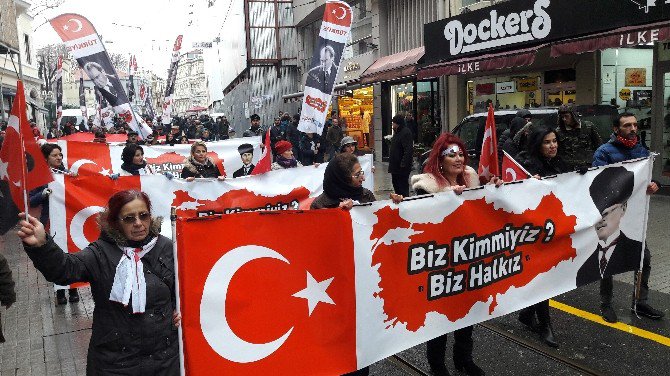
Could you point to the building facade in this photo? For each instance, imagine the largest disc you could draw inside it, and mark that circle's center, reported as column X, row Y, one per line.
column 11, row 65
column 191, row 84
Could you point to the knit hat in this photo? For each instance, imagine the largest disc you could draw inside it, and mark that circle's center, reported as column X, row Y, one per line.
column 245, row 148
column 282, row 146
column 348, row 140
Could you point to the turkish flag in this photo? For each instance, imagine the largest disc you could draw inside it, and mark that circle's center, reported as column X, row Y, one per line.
column 512, row 170
column 85, row 158
column 488, row 160
column 22, row 164
column 269, row 299
column 265, row 162
column 338, row 12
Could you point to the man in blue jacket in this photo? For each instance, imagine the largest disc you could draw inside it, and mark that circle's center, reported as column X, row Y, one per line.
column 623, row 145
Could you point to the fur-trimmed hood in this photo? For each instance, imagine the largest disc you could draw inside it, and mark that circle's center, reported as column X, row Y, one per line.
column 428, row 183
column 116, row 236
column 190, row 164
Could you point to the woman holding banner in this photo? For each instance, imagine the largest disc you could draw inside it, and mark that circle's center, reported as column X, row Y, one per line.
column 133, row 161
column 199, row 165
column 343, row 184
column 541, row 159
column 40, row 197
column 131, row 272
column 447, row 170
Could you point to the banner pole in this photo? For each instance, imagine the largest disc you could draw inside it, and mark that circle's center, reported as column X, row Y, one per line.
column 180, row 333
column 638, row 273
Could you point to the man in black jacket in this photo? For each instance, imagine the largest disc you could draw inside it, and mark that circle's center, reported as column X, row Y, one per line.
column 401, row 156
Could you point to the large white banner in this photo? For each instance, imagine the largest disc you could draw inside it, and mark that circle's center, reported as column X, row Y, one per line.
column 385, row 277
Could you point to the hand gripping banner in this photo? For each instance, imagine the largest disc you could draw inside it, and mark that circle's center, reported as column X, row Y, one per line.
column 333, row 35
column 329, row 299
column 84, row 43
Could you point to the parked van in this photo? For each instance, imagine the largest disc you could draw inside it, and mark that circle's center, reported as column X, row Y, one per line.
column 73, row 116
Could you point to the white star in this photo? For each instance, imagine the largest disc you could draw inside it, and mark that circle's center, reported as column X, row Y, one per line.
column 485, row 172
column 3, row 169
column 13, row 122
column 104, row 172
column 17, row 183
column 315, row 292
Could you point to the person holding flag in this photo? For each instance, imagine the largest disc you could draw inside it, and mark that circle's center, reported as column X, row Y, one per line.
column 488, row 160
column 541, row 159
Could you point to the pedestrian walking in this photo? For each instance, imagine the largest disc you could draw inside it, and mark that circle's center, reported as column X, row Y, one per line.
column 39, row 197
column 624, row 144
column 309, row 148
column 400, row 156
column 578, row 139
column 447, row 170
column 541, row 159
column 254, row 128
column 131, row 272
column 334, row 137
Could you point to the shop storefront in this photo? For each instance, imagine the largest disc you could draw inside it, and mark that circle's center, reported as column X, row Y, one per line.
column 616, row 59
column 356, row 108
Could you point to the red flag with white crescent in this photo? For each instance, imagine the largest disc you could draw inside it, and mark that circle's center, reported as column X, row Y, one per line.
column 265, row 163
column 488, row 160
column 22, row 164
column 512, row 170
column 241, row 319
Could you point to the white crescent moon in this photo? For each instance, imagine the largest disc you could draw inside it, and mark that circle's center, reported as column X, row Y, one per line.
column 213, row 322
column 77, row 225
column 344, row 13
column 79, row 25
column 75, row 166
column 511, row 172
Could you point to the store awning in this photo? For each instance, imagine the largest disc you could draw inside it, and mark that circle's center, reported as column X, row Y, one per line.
column 482, row 63
column 628, row 36
column 392, row 67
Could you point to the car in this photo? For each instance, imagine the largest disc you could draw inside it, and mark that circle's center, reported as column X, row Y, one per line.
column 471, row 128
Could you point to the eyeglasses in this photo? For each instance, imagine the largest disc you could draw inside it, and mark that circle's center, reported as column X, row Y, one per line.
column 130, row 219
column 358, row 174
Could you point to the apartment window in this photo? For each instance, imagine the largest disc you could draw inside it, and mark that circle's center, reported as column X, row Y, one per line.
column 26, row 43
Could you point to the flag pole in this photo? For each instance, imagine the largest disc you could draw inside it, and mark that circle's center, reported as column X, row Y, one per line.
column 24, row 172
column 638, row 272
column 180, row 333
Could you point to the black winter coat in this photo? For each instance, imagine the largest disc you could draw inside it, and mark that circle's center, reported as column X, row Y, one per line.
column 195, row 170
column 122, row 343
column 542, row 166
column 401, row 152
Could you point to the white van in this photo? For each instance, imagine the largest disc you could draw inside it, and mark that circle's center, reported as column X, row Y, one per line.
column 72, row 115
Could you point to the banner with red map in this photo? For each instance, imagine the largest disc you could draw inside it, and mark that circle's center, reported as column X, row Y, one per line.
column 356, row 287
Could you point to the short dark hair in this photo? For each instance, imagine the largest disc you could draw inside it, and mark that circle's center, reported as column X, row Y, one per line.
column 117, row 202
column 616, row 122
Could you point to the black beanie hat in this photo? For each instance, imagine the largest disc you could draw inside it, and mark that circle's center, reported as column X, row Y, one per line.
column 399, row 119
column 613, row 185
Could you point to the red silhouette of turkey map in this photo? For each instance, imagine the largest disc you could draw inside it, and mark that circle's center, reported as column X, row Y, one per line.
column 241, row 200
column 475, row 253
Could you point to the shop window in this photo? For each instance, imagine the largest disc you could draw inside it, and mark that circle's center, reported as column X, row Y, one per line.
column 356, row 109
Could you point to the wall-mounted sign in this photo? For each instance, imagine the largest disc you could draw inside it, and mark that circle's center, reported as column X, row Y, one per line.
column 636, row 77
column 352, row 66
column 624, row 94
column 505, row 87
column 485, row 89
column 512, row 24
column 526, row 84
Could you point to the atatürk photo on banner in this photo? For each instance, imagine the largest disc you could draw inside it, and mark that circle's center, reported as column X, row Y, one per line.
column 323, row 70
column 103, row 75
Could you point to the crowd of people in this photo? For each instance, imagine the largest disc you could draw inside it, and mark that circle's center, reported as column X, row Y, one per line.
column 131, row 263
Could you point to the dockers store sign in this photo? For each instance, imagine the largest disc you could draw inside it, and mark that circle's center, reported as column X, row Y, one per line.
column 519, row 23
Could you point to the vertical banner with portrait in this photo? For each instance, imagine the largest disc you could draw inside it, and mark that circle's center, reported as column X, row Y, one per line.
column 82, row 96
column 333, row 35
column 132, row 69
column 145, row 96
column 59, row 91
column 83, row 42
column 166, row 117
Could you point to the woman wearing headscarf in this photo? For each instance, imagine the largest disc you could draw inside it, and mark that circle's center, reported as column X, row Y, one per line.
column 199, row 165
column 447, row 170
column 40, row 197
column 131, row 272
column 285, row 157
column 133, row 161
column 541, row 159
column 343, row 184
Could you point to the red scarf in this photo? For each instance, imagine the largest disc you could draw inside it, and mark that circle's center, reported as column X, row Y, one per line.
column 629, row 143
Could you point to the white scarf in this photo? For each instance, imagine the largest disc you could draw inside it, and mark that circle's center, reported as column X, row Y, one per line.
column 129, row 277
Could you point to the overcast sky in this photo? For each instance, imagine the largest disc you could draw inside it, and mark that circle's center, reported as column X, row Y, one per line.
column 119, row 23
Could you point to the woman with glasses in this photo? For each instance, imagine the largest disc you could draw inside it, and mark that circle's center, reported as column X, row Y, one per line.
column 131, row 271
column 447, row 170
column 343, row 184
